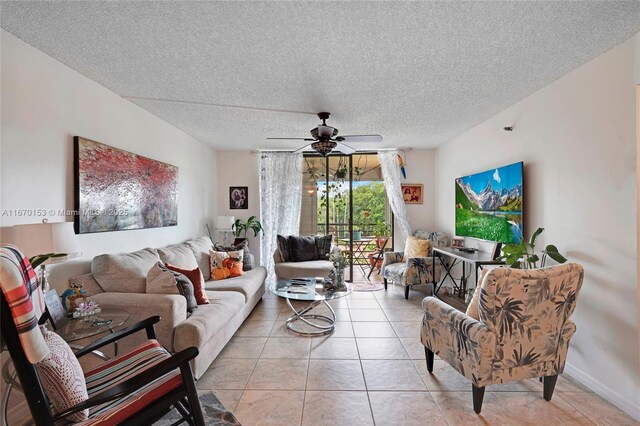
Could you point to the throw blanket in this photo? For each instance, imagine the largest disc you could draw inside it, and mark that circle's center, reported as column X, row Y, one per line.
column 24, row 296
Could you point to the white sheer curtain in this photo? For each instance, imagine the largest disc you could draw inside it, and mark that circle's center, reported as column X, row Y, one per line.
column 391, row 175
column 280, row 201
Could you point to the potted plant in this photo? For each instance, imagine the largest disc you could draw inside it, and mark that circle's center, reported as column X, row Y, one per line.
column 241, row 227
column 523, row 255
column 381, row 231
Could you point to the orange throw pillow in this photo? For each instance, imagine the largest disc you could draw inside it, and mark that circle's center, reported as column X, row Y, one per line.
column 195, row 276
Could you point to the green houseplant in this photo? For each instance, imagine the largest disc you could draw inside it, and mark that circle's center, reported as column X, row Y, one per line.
column 523, row 255
column 241, row 227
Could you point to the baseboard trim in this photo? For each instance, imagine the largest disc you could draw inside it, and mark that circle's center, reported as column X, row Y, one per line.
column 629, row 407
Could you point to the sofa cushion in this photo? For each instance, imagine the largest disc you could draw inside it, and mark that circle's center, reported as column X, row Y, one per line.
column 161, row 280
column 195, row 276
column 247, row 258
column 179, row 255
column 200, row 248
column 302, row 249
column 283, row 248
column 311, row 268
column 415, row 247
column 472, row 309
column 323, row 246
column 209, row 319
column 248, row 284
column 225, row 264
column 126, row 272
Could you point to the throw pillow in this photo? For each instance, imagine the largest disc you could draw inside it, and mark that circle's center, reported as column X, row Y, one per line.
column 195, row 276
column 62, row 377
column 247, row 259
column 302, row 249
column 225, row 264
column 416, row 247
column 472, row 309
column 323, row 246
column 161, row 280
column 283, row 246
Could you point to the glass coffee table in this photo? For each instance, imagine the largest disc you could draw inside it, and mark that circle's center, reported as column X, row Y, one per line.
column 309, row 290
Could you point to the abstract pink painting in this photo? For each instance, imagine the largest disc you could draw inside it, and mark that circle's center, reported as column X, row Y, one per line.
column 117, row 190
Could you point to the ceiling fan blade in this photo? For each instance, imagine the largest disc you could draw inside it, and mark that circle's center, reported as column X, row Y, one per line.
column 345, row 149
column 304, row 148
column 290, row 139
column 360, row 138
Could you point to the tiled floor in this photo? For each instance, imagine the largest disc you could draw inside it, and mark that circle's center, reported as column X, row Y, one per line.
column 372, row 370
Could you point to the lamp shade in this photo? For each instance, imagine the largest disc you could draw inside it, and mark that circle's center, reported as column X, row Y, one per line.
column 42, row 238
column 225, row 222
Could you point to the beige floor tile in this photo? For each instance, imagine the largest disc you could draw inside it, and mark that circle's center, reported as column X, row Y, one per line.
column 270, row 408
column 229, row 398
column 265, row 314
column 511, row 408
column 595, row 408
column 227, row 374
column 444, row 378
column 343, row 329
column 334, row 348
column 381, row 348
column 362, row 295
column 282, row 374
column 340, row 303
column 367, row 315
column 405, row 408
column 414, row 347
column 284, row 347
column 404, row 314
column 323, row 408
column 406, row 329
column 392, row 375
column 243, row 347
column 373, row 329
column 363, row 304
column 271, row 303
column 325, row 374
column 255, row 329
column 567, row 384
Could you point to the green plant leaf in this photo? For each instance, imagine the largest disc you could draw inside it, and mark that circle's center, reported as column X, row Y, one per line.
column 556, row 256
column 532, row 240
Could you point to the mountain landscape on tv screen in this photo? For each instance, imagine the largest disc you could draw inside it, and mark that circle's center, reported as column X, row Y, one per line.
column 489, row 204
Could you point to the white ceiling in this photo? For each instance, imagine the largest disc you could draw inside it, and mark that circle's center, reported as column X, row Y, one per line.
column 418, row 73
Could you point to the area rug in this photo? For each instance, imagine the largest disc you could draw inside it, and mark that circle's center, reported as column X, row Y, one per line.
column 367, row 286
column 213, row 411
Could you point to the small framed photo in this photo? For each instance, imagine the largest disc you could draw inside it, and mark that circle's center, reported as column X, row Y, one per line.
column 457, row 242
column 412, row 193
column 238, row 197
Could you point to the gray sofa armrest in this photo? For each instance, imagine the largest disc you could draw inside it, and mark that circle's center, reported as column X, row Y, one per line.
column 172, row 309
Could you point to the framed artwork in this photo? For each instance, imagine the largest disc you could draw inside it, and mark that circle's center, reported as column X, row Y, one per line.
column 238, row 197
column 412, row 193
column 57, row 313
column 116, row 190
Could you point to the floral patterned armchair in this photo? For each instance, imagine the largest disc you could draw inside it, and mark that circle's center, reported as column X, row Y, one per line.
column 416, row 270
column 523, row 330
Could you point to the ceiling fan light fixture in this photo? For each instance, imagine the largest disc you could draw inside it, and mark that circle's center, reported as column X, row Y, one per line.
column 323, row 147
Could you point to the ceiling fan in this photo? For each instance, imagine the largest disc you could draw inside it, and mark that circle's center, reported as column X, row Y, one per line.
column 324, row 139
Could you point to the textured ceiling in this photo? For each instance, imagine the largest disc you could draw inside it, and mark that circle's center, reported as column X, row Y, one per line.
column 418, row 73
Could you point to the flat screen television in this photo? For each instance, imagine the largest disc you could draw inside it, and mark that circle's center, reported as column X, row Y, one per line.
column 489, row 204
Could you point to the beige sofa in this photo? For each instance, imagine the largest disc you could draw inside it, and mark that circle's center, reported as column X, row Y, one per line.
column 119, row 281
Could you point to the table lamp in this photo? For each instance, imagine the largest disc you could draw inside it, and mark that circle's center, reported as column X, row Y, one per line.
column 224, row 224
column 47, row 239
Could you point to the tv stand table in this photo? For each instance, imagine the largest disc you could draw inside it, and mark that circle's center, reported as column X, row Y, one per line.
column 476, row 260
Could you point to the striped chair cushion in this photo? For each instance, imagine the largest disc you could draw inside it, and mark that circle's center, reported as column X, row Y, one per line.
column 119, row 369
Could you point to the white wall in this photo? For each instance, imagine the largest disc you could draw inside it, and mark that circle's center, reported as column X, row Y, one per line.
column 419, row 164
column 577, row 140
column 239, row 168
column 44, row 104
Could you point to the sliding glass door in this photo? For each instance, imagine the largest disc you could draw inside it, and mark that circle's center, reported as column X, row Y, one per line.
column 344, row 196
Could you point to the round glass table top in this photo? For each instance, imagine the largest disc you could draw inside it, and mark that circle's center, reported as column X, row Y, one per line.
column 308, row 289
column 81, row 328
